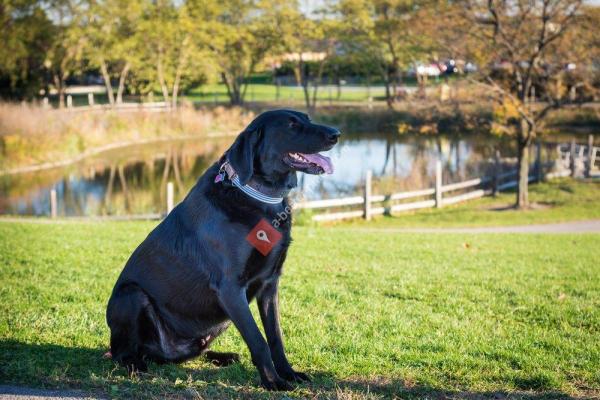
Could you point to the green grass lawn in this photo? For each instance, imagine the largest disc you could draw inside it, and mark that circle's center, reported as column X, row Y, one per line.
column 557, row 200
column 368, row 315
column 268, row 92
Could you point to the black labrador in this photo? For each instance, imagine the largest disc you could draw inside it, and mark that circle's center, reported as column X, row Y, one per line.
column 204, row 263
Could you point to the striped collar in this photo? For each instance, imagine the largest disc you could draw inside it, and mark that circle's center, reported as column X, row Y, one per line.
column 252, row 188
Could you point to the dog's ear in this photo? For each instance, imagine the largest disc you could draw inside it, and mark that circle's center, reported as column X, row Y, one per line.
column 241, row 153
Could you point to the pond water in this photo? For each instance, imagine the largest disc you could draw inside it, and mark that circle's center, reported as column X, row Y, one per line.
column 132, row 180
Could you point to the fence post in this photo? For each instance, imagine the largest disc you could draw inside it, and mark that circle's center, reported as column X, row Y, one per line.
column 69, row 101
column 497, row 172
column 170, row 196
column 91, row 99
column 46, row 103
column 367, row 204
column 438, row 184
column 53, row 208
column 590, row 155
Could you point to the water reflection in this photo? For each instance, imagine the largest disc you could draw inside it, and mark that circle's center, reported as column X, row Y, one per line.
column 133, row 180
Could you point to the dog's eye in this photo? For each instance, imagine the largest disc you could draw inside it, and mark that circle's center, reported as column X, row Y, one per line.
column 294, row 123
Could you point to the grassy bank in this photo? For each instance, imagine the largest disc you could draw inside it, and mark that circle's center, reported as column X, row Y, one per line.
column 32, row 135
column 368, row 315
column 557, row 200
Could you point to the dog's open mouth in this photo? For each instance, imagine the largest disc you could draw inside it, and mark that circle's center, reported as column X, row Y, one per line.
column 315, row 164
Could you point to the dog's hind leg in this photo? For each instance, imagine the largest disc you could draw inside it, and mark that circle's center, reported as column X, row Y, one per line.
column 131, row 321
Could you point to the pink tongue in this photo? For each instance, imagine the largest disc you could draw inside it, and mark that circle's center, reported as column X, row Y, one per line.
column 321, row 161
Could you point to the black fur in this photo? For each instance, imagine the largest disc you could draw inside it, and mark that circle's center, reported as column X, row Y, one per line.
column 195, row 272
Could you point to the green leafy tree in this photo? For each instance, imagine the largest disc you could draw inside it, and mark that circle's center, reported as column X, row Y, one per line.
column 112, row 41
column 26, row 36
column 308, row 44
column 241, row 39
column 64, row 56
column 394, row 32
column 174, row 37
column 358, row 40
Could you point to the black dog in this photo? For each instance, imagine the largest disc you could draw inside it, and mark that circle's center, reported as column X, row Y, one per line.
column 197, row 271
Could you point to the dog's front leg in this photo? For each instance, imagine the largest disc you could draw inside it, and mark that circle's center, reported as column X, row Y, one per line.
column 268, row 305
column 234, row 302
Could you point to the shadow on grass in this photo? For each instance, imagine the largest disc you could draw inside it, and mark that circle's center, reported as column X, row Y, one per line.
column 55, row 366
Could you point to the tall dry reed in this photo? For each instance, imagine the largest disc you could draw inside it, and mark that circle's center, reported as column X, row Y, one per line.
column 30, row 134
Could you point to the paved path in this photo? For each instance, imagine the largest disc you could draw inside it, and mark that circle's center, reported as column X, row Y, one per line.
column 22, row 393
column 592, row 226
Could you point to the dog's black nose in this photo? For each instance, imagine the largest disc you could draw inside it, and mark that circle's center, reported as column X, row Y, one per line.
column 333, row 135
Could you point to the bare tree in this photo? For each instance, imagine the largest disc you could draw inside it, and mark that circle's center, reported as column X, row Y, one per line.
column 528, row 51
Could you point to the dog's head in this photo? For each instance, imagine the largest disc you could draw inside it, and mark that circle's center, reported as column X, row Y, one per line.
column 278, row 143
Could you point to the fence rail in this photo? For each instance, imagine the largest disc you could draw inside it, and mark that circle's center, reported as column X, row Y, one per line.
column 157, row 106
column 369, row 199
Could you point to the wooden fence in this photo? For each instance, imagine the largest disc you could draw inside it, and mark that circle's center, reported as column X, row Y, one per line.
column 441, row 195
column 156, row 106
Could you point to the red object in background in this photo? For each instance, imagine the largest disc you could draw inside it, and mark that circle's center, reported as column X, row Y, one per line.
column 263, row 237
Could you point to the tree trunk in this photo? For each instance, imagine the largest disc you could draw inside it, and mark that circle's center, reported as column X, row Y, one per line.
column 122, row 79
column 233, row 89
column 524, row 139
column 302, row 76
column 236, row 100
column 161, row 78
column 396, row 80
column 175, row 91
column 306, row 90
column 385, row 76
column 227, row 86
column 297, row 75
column 305, row 84
column 244, row 86
column 523, row 175
column 388, row 93
column 316, row 83
column 314, row 95
column 58, row 83
column 180, row 65
column 388, row 97
column 106, row 77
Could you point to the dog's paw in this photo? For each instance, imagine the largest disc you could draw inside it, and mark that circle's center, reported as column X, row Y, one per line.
column 294, row 376
column 222, row 359
column 301, row 377
column 276, row 384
